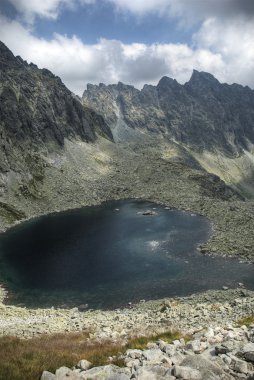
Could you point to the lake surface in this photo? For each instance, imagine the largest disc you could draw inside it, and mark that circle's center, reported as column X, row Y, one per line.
column 112, row 254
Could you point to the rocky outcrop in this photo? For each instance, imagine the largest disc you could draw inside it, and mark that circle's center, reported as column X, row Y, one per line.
column 202, row 114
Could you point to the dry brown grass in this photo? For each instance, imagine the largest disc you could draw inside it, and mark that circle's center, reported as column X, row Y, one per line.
column 247, row 321
column 26, row 359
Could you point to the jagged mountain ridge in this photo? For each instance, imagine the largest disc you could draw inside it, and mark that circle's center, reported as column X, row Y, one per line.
column 37, row 110
column 202, row 114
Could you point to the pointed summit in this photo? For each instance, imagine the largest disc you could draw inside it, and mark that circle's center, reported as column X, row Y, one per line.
column 202, row 76
column 202, row 82
column 7, row 58
column 5, row 52
column 3, row 47
column 167, row 82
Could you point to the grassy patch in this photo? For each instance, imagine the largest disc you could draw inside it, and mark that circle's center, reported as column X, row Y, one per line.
column 247, row 321
column 140, row 342
column 26, row 359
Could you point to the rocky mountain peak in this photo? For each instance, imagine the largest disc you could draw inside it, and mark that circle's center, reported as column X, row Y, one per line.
column 167, row 82
column 170, row 88
column 201, row 79
column 7, row 59
column 4, row 49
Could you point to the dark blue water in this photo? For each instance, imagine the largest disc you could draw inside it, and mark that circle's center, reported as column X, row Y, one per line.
column 109, row 255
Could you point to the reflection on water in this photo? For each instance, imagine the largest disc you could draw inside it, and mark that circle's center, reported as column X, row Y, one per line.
column 109, row 255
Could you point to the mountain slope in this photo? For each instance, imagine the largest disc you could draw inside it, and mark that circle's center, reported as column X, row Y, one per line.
column 38, row 116
column 214, row 122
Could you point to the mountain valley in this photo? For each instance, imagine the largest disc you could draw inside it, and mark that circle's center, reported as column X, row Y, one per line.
column 187, row 147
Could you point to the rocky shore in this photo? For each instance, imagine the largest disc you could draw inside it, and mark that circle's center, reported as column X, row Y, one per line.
column 219, row 348
column 218, row 352
column 186, row 313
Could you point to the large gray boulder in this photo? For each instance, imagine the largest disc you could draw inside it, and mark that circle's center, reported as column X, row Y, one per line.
column 186, row 373
column 156, row 372
column 47, row 376
column 63, row 373
column 207, row 369
column 84, row 364
column 108, row 372
column 154, row 356
column 247, row 352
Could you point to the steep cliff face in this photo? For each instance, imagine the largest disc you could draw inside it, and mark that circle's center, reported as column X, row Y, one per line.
column 39, row 119
column 203, row 114
column 38, row 112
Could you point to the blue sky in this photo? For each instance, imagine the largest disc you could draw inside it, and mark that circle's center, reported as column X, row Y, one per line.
column 135, row 42
column 101, row 20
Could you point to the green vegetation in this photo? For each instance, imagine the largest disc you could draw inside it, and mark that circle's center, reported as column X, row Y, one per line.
column 26, row 359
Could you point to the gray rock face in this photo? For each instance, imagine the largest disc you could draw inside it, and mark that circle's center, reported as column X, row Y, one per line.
column 108, row 372
column 63, row 373
column 155, row 372
column 203, row 114
column 47, row 376
column 248, row 352
column 43, row 113
column 206, row 369
column 184, row 372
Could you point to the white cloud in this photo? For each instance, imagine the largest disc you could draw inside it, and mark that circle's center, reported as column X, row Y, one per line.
column 142, row 7
column 234, row 42
column 107, row 61
column 44, row 8
column 187, row 11
column 223, row 45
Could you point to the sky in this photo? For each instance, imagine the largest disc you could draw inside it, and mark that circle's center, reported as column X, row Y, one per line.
column 132, row 41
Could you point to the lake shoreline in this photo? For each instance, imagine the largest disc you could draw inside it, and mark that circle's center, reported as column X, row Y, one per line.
column 172, row 234
column 184, row 313
column 138, row 173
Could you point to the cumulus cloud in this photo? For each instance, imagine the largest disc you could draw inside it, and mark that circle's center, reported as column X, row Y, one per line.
column 107, row 61
column 234, row 43
column 187, row 11
column 200, row 9
column 223, row 45
column 44, row 8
